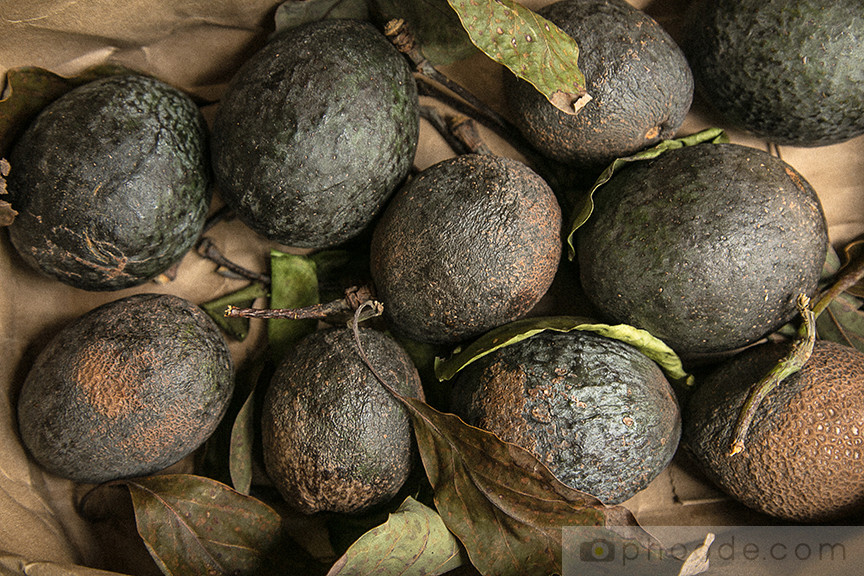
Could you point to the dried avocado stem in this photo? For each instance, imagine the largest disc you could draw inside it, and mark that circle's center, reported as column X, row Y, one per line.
column 797, row 357
column 353, row 300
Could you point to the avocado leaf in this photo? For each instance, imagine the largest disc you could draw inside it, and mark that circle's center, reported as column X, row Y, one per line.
column 413, row 541
column 585, row 205
column 519, row 330
column 530, row 46
column 293, row 13
column 294, row 284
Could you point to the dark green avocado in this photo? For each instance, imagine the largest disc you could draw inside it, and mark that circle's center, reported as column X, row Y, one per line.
column 471, row 243
column 706, row 247
column 789, row 71
column 334, row 438
column 127, row 389
column 638, row 78
column 315, row 132
column 599, row 413
column 110, row 182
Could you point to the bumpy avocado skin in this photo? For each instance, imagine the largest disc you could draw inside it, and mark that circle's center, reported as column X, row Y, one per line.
column 315, row 132
column 596, row 411
column 127, row 389
column 707, row 247
column 639, row 80
column 110, row 183
column 471, row 243
column 334, row 438
column 790, row 71
column 803, row 451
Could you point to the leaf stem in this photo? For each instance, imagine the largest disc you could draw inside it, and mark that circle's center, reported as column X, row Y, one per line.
column 848, row 276
column 797, row 357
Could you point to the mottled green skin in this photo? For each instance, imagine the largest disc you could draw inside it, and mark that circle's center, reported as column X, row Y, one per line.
column 803, row 453
column 472, row 243
column 707, row 247
column 111, row 183
column 638, row 78
column 126, row 390
column 790, row 71
column 334, row 438
column 596, row 411
column 315, row 132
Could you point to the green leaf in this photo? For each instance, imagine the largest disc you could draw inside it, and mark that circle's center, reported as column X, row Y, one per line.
column 585, row 205
column 520, row 330
column 237, row 328
column 532, row 47
column 413, row 541
column 435, row 26
column 293, row 13
column 242, row 438
column 294, row 284
column 843, row 322
column 195, row 525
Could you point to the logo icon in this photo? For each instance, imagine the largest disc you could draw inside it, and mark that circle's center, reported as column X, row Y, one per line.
column 597, row 550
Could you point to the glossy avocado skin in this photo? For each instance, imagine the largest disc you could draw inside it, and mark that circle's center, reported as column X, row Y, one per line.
column 111, row 183
column 127, row 389
column 707, row 247
column 599, row 413
column 790, row 71
column 639, row 80
column 315, row 132
column 334, row 438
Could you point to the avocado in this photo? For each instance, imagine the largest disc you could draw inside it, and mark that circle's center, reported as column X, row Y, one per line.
column 639, row 81
column 707, row 246
column 334, row 438
column 315, row 132
column 110, row 182
column 789, row 71
column 471, row 243
column 599, row 413
column 803, row 452
column 127, row 389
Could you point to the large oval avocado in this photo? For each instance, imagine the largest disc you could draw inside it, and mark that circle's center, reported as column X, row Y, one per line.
column 110, row 182
column 790, row 71
column 599, row 413
column 707, row 247
column 334, row 438
column 638, row 78
column 125, row 390
column 315, row 132
column 471, row 243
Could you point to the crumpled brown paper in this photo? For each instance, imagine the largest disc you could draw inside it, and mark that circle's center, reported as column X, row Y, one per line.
column 197, row 45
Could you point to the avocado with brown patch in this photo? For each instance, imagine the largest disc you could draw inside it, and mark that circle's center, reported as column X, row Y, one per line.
column 599, row 413
column 110, row 182
column 639, row 81
column 804, row 453
column 127, row 389
column 334, row 438
column 469, row 244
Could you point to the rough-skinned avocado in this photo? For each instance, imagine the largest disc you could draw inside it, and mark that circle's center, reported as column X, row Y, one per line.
column 803, row 451
column 315, row 132
column 707, row 247
column 127, row 389
column 334, row 438
column 469, row 244
column 599, row 413
column 790, row 71
column 639, row 80
column 110, row 182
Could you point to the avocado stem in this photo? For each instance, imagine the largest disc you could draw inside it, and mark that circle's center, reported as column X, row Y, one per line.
column 797, row 357
column 849, row 276
column 465, row 130
column 206, row 249
column 353, row 300
column 431, row 115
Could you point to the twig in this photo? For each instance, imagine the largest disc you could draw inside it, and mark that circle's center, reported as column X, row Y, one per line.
column 849, row 276
column 465, row 130
column 354, row 298
column 208, row 250
column 437, row 121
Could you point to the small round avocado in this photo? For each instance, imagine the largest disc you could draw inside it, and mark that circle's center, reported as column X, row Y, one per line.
column 110, row 182
column 639, row 81
column 790, row 71
column 334, row 438
column 315, row 132
column 599, row 413
column 471, row 243
column 707, row 247
column 127, row 389
column 804, row 453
